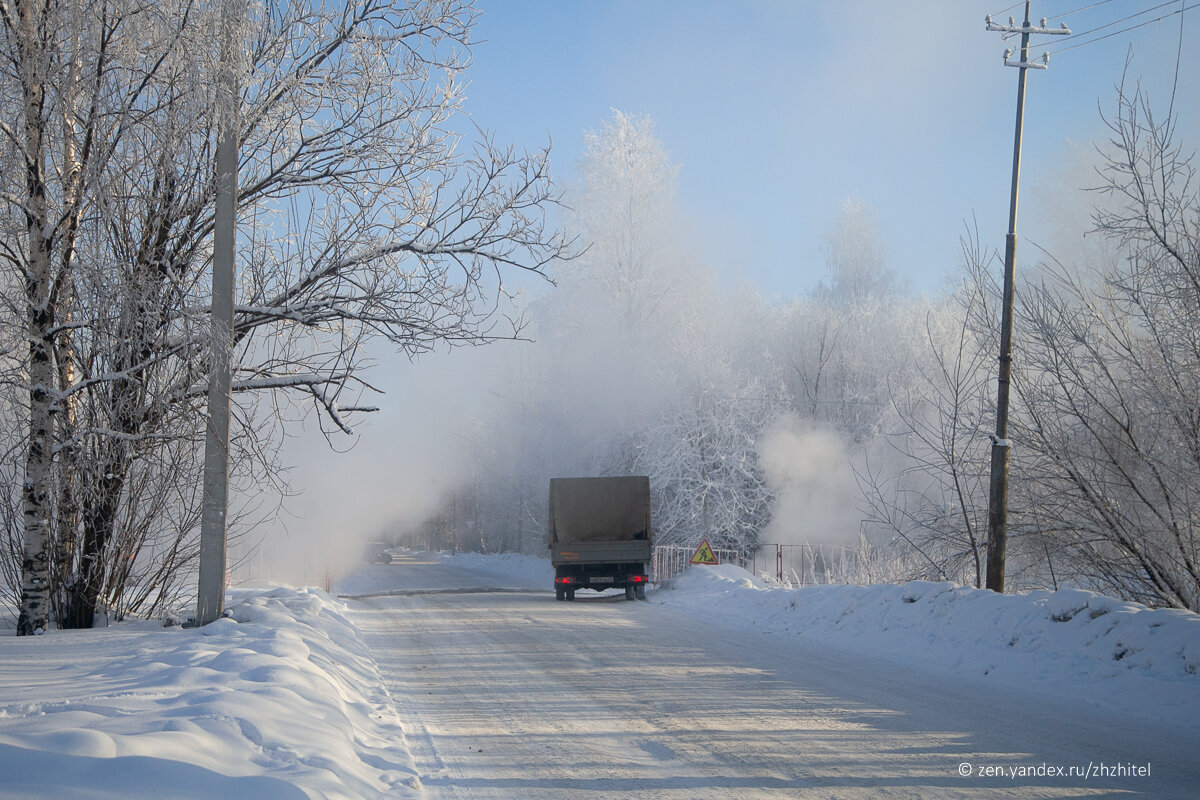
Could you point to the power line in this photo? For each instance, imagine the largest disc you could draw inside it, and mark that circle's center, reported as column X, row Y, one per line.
column 1125, row 19
column 1076, row 11
column 1178, row 59
column 1010, row 8
column 1077, row 43
column 1063, row 15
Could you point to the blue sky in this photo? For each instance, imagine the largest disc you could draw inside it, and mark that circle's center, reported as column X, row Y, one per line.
column 779, row 110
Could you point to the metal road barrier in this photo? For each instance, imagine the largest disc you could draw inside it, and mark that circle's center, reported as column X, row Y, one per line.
column 788, row 564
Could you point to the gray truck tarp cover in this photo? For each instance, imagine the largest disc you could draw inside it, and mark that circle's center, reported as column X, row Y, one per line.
column 599, row 509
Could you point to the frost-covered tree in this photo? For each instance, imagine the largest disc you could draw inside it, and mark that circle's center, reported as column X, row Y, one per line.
column 1113, row 377
column 625, row 207
column 640, row 365
column 854, row 259
column 839, row 365
column 926, row 483
column 837, row 349
column 361, row 217
column 601, row 333
column 1106, row 374
column 53, row 101
column 701, row 450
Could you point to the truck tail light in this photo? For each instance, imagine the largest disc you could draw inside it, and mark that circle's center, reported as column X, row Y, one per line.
column 637, row 579
column 564, row 581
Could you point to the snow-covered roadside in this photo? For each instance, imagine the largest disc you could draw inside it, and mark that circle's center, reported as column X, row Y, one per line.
column 1070, row 645
column 283, row 700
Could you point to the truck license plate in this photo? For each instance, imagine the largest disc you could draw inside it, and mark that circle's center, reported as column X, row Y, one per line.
column 605, row 579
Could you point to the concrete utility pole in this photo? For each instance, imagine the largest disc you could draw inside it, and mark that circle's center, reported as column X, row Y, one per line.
column 210, row 602
column 998, row 500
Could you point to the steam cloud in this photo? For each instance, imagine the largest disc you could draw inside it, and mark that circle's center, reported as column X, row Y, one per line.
column 808, row 468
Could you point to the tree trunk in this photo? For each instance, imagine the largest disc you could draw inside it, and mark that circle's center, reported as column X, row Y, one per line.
column 36, row 492
column 67, row 475
column 40, row 316
column 99, row 523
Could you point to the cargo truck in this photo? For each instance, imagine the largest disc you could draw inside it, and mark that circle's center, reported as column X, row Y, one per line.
column 599, row 535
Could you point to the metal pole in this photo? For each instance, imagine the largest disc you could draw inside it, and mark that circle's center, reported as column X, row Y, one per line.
column 998, row 500
column 210, row 603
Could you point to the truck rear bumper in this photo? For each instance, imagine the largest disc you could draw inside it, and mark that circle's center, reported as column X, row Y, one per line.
column 600, row 582
column 634, row 584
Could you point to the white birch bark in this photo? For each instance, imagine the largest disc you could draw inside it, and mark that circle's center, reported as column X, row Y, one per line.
column 27, row 24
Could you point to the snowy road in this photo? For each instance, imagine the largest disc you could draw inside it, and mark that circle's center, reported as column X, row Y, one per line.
column 510, row 694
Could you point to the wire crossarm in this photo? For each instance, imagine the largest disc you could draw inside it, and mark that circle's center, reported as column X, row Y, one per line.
column 1043, row 64
column 1028, row 28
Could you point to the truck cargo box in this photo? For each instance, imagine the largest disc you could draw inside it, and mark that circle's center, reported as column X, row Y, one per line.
column 599, row 509
column 593, row 552
column 599, row 534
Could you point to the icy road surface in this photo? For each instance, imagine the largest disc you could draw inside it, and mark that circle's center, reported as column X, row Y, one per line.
column 506, row 693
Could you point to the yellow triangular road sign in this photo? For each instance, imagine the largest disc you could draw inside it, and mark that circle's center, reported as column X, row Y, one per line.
column 704, row 554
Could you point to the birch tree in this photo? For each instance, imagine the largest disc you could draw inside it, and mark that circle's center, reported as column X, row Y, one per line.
column 44, row 156
column 363, row 217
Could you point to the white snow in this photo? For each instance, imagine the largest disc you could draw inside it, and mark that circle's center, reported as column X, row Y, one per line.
column 283, row 700
column 1069, row 644
column 280, row 701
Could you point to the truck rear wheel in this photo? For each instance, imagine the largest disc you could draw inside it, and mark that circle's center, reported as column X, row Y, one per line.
column 641, row 591
column 559, row 594
column 630, row 592
column 570, row 594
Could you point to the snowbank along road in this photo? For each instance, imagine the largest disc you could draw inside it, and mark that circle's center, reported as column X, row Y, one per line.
column 506, row 693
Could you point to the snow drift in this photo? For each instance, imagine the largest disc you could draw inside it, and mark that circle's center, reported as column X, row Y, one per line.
column 1069, row 644
column 283, row 695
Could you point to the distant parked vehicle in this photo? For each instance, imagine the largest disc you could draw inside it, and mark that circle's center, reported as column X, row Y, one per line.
column 599, row 535
column 379, row 553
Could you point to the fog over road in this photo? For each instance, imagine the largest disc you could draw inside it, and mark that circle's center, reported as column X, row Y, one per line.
column 506, row 693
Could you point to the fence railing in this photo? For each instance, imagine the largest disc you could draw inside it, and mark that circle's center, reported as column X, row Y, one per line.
column 788, row 564
column 671, row 559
